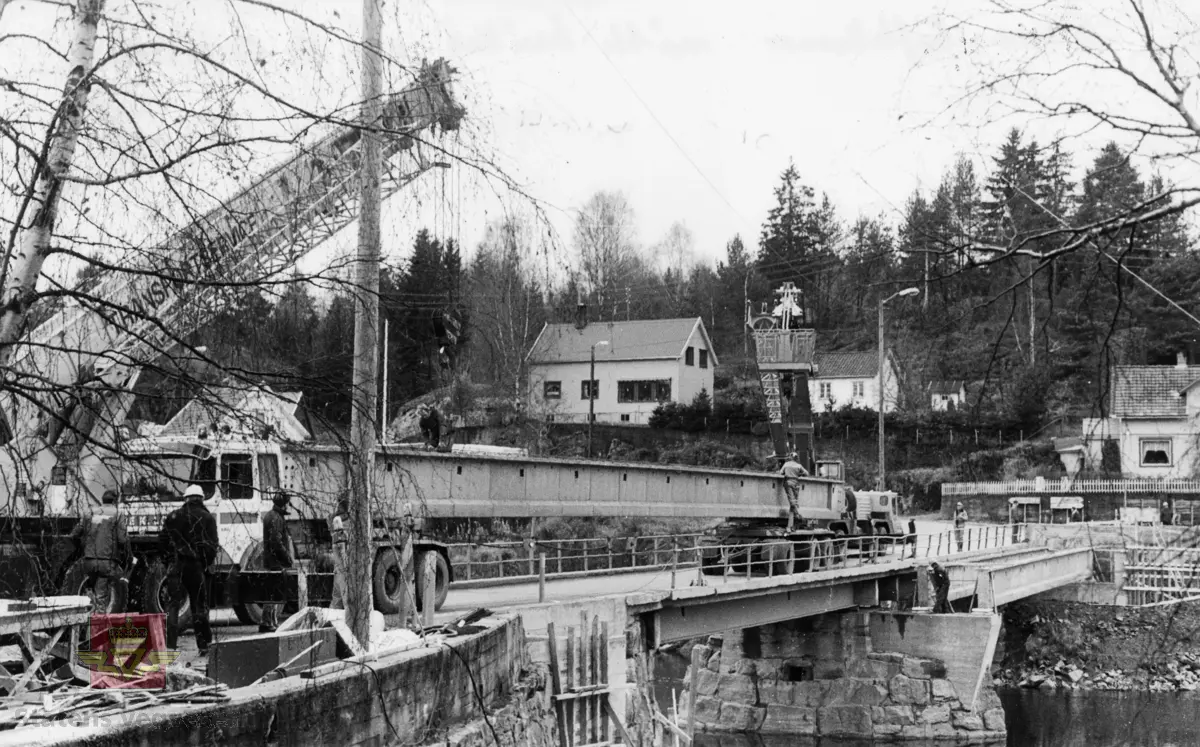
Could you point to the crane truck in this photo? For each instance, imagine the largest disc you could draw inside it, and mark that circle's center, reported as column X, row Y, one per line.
column 784, row 352
column 69, row 382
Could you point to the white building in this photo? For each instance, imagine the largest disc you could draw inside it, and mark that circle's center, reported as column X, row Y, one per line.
column 1153, row 426
column 638, row 365
column 853, row 379
column 947, row 395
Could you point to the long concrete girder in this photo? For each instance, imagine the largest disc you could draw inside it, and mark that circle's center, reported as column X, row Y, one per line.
column 687, row 613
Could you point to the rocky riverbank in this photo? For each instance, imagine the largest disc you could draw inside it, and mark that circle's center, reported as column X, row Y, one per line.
column 1070, row 646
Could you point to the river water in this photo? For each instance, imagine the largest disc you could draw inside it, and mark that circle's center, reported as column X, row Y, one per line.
column 1034, row 719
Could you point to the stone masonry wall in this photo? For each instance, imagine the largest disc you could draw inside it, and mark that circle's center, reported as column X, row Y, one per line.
column 527, row 721
column 818, row 677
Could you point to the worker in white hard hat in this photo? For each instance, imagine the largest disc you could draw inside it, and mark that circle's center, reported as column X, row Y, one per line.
column 189, row 540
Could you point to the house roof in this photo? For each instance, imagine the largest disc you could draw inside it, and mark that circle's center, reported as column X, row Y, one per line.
column 947, row 386
column 846, row 365
column 242, row 410
column 649, row 339
column 1151, row 391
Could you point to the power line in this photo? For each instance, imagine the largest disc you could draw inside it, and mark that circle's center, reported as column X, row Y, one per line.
column 657, row 121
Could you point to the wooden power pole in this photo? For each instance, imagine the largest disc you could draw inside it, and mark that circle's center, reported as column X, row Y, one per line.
column 359, row 548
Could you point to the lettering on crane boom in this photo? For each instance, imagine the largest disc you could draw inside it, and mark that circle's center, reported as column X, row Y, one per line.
column 774, row 394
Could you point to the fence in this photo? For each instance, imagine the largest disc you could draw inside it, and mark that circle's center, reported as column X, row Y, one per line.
column 538, row 561
column 1161, row 575
column 1090, row 485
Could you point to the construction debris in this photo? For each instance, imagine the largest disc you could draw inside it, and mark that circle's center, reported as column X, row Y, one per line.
column 82, row 703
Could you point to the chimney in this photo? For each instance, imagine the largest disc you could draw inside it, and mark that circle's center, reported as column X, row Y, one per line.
column 581, row 316
column 1181, row 359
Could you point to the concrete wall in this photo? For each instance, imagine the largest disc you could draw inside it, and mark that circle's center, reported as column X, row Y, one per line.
column 413, row 697
column 965, row 643
column 828, row 676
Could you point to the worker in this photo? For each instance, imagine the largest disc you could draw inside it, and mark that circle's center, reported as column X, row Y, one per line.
column 1165, row 515
column 431, row 425
column 277, row 552
column 940, row 581
column 911, row 538
column 337, row 530
column 189, row 539
column 104, row 551
column 960, row 523
column 793, row 472
column 852, row 510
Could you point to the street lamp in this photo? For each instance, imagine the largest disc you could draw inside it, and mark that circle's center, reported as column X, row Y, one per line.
column 882, row 301
column 592, row 395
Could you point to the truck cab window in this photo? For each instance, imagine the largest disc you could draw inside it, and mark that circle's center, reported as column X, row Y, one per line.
column 237, row 477
column 268, row 472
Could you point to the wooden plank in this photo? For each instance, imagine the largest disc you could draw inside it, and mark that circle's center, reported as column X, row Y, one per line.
column 606, row 731
column 612, row 716
column 556, row 685
column 570, row 683
column 37, row 663
column 693, row 682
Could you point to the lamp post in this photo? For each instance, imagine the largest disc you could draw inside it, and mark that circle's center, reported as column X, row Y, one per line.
column 882, row 468
column 592, row 395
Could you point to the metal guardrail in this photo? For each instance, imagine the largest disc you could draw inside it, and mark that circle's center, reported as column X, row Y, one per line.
column 514, row 562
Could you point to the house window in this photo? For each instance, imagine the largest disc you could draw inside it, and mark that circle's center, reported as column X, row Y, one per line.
column 644, row 391
column 689, row 357
column 552, row 390
column 1156, row 452
column 589, row 389
column 858, row 389
column 624, row 417
column 703, row 358
column 825, row 390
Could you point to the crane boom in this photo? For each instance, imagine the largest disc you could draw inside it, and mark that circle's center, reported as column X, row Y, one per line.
column 95, row 345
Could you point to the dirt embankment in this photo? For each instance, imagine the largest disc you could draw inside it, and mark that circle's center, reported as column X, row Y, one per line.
column 1066, row 645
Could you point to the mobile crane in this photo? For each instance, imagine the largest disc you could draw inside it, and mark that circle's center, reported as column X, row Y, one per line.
column 70, row 381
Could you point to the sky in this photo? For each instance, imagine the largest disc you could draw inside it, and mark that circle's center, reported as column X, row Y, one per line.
column 691, row 109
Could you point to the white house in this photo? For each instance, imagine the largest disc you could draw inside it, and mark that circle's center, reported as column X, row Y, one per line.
column 947, row 395
column 638, row 365
column 1153, row 425
column 853, row 379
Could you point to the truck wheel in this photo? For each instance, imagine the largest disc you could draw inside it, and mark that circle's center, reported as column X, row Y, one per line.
column 388, row 581
column 441, row 581
column 247, row 613
column 156, row 595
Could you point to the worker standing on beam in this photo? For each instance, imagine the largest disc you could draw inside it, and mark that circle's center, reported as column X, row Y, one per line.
column 793, row 472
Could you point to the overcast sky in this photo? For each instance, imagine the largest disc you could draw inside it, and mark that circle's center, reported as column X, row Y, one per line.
column 691, row 108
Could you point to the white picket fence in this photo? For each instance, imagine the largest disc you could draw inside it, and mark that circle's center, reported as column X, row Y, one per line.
column 1042, row 485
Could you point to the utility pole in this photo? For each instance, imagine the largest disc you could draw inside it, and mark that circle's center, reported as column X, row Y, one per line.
column 359, row 553
column 592, row 396
column 879, row 485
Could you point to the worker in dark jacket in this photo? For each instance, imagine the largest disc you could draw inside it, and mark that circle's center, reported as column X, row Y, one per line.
column 431, row 426
column 277, row 552
column 940, row 580
column 104, row 552
column 189, row 540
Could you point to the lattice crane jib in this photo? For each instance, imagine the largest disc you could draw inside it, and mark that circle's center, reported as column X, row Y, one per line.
column 93, row 347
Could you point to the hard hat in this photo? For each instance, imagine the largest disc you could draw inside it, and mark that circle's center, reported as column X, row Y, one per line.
column 193, row 490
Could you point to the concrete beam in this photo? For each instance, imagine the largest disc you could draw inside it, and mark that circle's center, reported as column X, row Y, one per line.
column 679, row 622
column 1003, row 584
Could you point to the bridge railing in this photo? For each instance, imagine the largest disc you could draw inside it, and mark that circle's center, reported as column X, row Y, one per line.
column 783, row 557
column 528, row 560
column 583, row 556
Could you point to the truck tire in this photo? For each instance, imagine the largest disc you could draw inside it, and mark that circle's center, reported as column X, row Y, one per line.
column 155, row 595
column 247, row 613
column 781, row 557
column 441, row 581
column 76, row 582
column 387, row 581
